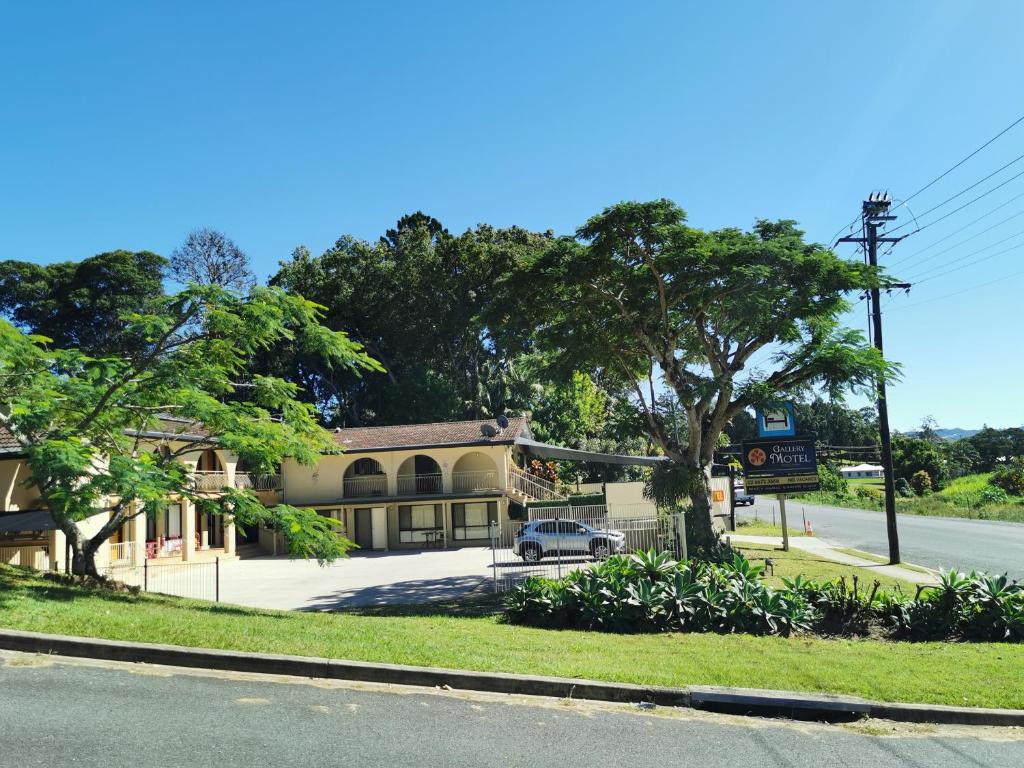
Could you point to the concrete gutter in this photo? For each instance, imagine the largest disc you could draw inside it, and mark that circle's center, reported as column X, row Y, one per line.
column 744, row 701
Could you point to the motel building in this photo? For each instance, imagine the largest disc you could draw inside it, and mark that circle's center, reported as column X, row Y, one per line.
column 450, row 484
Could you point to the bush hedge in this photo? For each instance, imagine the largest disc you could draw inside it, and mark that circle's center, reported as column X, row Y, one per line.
column 651, row 592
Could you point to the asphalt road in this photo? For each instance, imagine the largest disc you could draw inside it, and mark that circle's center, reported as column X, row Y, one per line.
column 936, row 542
column 55, row 713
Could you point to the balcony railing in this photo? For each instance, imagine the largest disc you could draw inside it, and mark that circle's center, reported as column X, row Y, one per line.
column 245, row 481
column 363, row 486
column 121, row 552
column 204, row 480
column 410, row 485
column 482, row 480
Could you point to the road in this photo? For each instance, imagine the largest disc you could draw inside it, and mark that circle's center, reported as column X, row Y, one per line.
column 60, row 712
column 936, row 542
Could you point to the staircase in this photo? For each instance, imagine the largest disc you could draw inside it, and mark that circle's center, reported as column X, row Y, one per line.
column 524, row 487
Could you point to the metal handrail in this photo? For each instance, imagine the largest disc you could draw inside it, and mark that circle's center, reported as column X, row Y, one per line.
column 209, row 480
column 430, row 482
column 244, row 480
column 532, row 486
column 475, row 480
column 362, row 486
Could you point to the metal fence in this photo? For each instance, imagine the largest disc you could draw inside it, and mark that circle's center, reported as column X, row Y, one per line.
column 196, row 580
column 578, row 537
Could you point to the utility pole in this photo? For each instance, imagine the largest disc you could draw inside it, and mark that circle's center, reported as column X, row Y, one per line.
column 875, row 212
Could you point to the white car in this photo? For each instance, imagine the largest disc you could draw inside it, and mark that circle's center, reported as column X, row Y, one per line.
column 541, row 538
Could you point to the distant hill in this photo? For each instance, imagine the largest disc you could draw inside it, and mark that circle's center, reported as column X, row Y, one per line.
column 950, row 434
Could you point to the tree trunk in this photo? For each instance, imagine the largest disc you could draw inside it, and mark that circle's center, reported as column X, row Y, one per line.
column 701, row 536
column 83, row 553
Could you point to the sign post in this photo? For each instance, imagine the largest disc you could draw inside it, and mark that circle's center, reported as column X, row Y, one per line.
column 780, row 466
column 785, row 528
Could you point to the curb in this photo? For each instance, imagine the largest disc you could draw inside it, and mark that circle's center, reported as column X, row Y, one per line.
column 739, row 701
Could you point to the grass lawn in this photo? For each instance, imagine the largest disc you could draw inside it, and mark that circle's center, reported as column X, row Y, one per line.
column 796, row 561
column 764, row 528
column 472, row 636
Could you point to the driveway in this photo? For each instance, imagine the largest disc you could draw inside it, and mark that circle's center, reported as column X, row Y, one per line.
column 364, row 579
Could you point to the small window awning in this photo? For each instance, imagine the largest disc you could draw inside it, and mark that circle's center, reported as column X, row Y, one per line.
column 30, row 520
column 545, row 451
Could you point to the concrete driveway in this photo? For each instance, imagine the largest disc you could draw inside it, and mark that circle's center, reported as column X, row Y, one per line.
column 364, row 579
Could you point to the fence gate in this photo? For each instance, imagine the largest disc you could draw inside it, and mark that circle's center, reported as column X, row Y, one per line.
column 566, row 539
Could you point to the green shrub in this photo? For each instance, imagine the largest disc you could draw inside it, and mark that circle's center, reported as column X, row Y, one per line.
column 1010, row 477
column 832, row 481
column 651, row 592
column 921, row 482
column 870, row 493
column 903, row 488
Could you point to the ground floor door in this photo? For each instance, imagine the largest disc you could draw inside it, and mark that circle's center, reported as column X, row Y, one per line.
column 364, row 527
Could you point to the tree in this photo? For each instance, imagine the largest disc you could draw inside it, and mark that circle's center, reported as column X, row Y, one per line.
column 82, row 420
column 640, row 294
column 834, row 423
column 921, row 482
column 208, row 257
column 415, row 299
column 79, row 305
column 1010, row 476
column 911, row 455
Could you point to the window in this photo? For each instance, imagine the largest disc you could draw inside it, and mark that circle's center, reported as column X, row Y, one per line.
column 547, row 528
column 170, row 524
column 472, row 520
column 419, row 523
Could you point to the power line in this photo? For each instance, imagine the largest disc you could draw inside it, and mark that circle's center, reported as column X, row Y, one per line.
column 950, row 170
column 956, row 210
column 970, row 264
column 917, row 275
column 961, row 229
column 962, row 191
column 957, row 293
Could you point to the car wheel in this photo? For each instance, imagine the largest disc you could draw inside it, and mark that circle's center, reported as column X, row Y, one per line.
column 600, row 549
column 532, row 553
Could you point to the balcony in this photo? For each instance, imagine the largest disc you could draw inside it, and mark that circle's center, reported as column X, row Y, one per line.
column 471, row 482
column 246, row 481
column 203, row 480
column 121, row 553
column 420, row 484
column 364, row 486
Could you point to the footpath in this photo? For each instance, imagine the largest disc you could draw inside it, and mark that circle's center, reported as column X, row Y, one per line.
column 828, row 551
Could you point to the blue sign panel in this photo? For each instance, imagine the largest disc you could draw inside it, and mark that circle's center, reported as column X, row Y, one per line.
column 776, row 421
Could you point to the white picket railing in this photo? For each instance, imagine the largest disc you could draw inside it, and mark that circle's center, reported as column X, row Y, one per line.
column 121, row 552
column 479, row 480
column 532, row 486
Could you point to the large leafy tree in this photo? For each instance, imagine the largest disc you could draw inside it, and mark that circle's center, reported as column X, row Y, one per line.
column 414, row 299
column 79, row 305
column 83, row 419
column 640, row 294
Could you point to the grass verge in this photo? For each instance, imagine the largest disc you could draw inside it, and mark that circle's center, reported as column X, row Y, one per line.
column 811, row 566
column 472, row 636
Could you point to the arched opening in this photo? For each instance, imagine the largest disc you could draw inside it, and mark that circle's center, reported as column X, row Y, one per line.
column 474, row 471
column 419, row 474
column 364, row 478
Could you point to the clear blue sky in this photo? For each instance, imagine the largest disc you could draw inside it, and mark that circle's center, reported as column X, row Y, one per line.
column 124, row 125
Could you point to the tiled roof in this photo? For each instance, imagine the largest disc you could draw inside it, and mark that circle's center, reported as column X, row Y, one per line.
column 441, row 433
column 8, row 443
